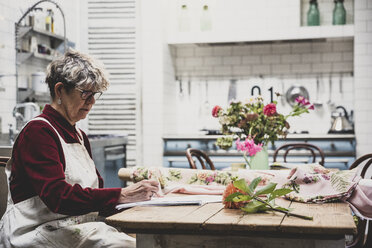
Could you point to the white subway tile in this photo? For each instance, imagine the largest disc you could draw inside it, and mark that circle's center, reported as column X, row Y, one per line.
column 321, row 67
column 363, row 38
column 319, row 47
column 241, row 70
column 281, row 48
column 270, row 59
column 330, row 57
column 311, row 57
column 301, row 47
column 252, row 59
column 212, row 61
column 261, row 49
column 194, row 61
column 346, row 46
column 301, row 68
column 185, row 52
column 203, row 51
column 243, row 50
column 348, row 56
column 222, row 51
column 232, row 60
column 222, row 70
column 281, row 68
column 291, row 58
column 261, row 69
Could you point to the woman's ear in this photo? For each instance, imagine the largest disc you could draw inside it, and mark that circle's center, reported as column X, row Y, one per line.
column 58, row 89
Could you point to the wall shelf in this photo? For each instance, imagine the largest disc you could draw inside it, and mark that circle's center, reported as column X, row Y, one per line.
column 275, row 35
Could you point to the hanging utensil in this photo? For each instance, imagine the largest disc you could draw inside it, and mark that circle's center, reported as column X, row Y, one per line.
column 180, row 88
column 232, row 90
column 318, row 102
column 189, row 87
column 295, row 91
column 341, row 86
column 330, row 103
column 282, row 93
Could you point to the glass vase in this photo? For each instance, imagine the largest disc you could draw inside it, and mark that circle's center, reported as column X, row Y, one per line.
column 339, row 13
column 313, row 17
column 260, row 161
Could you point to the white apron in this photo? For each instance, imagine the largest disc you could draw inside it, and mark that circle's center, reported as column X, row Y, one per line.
column 31, row 224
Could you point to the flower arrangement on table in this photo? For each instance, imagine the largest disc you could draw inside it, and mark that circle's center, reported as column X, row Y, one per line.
column 253, row 125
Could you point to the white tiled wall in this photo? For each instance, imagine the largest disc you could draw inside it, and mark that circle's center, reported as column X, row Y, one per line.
column 11, row 12
column 363, row 75
column 267, row 65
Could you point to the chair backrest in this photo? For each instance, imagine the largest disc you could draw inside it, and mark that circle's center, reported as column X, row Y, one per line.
column 365, row 158
column 3, row 186
column 202, row 157
column 360, row 239
column 313, row 150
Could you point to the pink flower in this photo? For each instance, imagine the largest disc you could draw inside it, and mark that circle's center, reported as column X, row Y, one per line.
column 270, row 109
column 216, row 109
column 311, row 107
column 248, row 146
column 302, row 101
column 209, row 179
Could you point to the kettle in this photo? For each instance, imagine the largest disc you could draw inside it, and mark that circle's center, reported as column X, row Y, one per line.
column 340, row 121
column 23, row 112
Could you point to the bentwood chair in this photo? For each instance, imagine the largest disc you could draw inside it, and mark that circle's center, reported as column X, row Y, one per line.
column 312, row 151
column 3, row 186
column 362, row 239
column 201, row 156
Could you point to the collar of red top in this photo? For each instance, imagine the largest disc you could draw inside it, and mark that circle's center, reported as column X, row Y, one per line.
column 54, row 116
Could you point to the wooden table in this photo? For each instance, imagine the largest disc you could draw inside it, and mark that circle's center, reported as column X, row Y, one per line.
column 211, row 225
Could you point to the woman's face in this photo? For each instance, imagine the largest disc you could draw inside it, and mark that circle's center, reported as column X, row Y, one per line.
column 75, row 104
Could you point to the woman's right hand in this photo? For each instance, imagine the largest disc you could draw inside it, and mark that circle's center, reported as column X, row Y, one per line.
column 141, row 191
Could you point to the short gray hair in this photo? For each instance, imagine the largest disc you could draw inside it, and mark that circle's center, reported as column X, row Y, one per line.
column 75, row 69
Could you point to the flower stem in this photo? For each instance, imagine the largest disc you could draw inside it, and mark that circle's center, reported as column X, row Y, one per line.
column 283, row 211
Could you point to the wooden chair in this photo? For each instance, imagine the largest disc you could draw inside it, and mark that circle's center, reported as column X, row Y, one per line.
column 202, row 157
column 3, row 186
column 361, row 239
column 313, row 150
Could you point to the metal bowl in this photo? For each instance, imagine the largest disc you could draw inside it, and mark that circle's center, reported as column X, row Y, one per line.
column 295, row 91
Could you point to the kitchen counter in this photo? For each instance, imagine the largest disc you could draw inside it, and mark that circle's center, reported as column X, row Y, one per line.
column 289, row 137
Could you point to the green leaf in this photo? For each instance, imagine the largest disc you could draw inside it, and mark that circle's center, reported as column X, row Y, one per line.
column 280, row 192
column 232, row 196
column 240, row 198
column 242, row 185
column 254, row 184
column 266, row 190
column 253, row 207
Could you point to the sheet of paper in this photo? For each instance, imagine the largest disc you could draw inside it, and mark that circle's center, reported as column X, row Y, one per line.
column 174, row 201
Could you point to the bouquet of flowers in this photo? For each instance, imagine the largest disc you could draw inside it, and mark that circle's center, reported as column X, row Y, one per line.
column 253, row 124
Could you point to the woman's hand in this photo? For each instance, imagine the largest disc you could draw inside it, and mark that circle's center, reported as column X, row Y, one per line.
column 141, row 191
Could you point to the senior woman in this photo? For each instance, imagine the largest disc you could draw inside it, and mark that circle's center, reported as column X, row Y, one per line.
column 55, row 191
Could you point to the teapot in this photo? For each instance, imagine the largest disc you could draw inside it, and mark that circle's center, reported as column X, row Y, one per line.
column 340, row 121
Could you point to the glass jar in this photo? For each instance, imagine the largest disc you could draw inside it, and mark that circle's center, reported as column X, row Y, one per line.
column 339, row 13
column 205, row 20
column 313, row 18
column 183, row 19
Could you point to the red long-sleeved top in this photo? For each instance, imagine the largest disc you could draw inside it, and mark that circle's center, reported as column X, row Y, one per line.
column 39, row 164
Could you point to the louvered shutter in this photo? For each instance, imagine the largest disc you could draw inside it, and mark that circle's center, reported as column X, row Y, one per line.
column 112, row 39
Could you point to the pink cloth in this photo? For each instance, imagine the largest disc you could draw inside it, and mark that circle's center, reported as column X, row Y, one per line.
column 360, row 200
column 196, row 189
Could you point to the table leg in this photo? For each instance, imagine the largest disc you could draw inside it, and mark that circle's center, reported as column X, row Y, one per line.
column 183, row 241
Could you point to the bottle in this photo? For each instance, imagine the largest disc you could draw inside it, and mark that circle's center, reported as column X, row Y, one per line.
column 339, row 13
column 184, row 20
column 31, row 19
column 313, row 14
column 49, row 21
column 205, row 20
column 39, row 19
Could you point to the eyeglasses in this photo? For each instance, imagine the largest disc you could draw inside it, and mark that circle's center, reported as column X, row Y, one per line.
column 87, row 94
